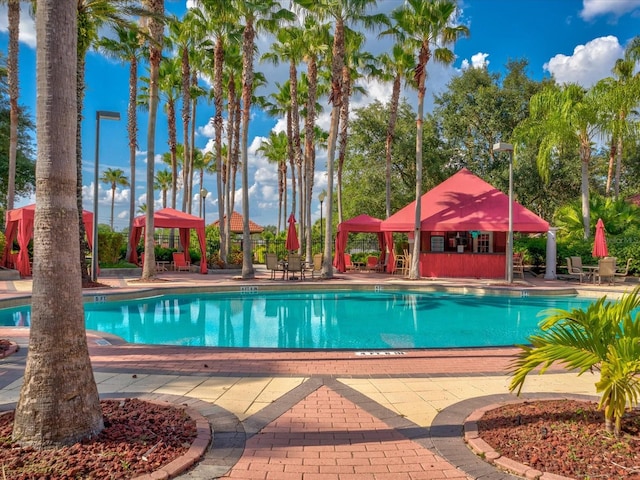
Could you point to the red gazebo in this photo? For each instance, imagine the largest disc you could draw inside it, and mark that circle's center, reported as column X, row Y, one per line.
column 171, row 218
column 362, row 224
column 19, row 225
column 464, row 225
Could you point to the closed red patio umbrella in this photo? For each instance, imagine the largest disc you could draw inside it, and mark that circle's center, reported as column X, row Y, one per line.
column 292, row 242
column 600, row 241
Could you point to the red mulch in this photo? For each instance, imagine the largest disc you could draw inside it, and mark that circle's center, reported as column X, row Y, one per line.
column 139, row 437
column 565, row 437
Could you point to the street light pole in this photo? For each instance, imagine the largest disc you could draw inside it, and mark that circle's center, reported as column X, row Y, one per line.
column 94, row 248
column 508, row 147
column 203, row 195
column 321, row 197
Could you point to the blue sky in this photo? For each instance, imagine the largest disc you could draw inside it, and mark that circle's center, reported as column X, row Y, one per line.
column 571, row 40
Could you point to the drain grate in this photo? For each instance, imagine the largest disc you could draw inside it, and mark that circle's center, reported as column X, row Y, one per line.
column 379, row 353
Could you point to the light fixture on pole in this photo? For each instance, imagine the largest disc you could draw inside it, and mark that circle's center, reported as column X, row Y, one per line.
column 94, row 250
column 508, row 147
column 203, row 195
column 321, row 197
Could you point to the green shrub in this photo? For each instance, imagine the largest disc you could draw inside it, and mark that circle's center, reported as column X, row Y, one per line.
column 109, row 246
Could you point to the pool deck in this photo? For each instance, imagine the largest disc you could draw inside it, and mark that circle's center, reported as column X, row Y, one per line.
column 330, row 415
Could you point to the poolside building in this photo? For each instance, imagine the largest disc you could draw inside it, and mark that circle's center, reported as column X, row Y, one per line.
column 464, row 227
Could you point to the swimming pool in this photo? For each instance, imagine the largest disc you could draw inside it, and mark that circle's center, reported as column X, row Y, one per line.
column 319, row 320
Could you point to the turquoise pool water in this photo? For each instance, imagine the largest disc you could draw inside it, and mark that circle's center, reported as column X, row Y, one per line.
column 319, row 320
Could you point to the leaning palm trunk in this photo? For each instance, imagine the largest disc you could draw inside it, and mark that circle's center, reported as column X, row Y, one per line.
column 59, row 402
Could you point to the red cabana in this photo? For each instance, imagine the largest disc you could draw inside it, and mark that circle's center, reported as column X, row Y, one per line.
column 455, row 216
column 362, row 224
column 19, row 225
column 171, row 218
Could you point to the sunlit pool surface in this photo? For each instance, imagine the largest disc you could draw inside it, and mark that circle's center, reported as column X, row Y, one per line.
column 319, row 320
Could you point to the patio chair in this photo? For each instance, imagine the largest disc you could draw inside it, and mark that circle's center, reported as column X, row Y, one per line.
column 294, row 265
column 315, row 267
column 626, row 270
column 347, row 262
column 273, row 265
column 574, row 271
column 372, row 262
column 180, row 262
column 606, row 269
column 518, row 265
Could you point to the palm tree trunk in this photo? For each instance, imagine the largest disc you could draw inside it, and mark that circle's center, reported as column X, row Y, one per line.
column 132, row 129
column 391, row 128
column 59, row 402
column 155, row 55
column 336, row 100
column 14, row 92
column 247, row 91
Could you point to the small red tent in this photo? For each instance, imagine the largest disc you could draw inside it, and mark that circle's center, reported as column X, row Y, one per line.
column 19, row 224
column 465, row 202
column 363, row 224
column 171, row 218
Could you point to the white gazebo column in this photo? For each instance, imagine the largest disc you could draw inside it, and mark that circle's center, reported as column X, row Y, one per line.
column 550, row 273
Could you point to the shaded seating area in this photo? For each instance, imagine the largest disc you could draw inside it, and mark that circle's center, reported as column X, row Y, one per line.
column 171, row 218
column 363, row 224
column 19, row 226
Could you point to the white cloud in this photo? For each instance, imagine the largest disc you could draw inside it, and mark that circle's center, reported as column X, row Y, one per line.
column 588, row 64
column 617, row 8
column 479, row 60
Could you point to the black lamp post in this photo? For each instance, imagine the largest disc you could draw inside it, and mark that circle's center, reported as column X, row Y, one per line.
column 321, row 197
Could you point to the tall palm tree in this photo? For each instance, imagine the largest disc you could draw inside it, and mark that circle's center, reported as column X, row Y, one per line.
column 395, row 67
column 59, row 403
column 428, row 26
column 169, row 82
column 14, row 93
column 164, row 183
column 92, row 15
column 126, row 46
column 342, row 12
column 562, row 118
column 289, row 47
column 181, row 38
column 274, row 150
column 218, row 18
column 114, row 177
column 281, row 106
column 256, row 14
column 155, row 29
column 603, row 338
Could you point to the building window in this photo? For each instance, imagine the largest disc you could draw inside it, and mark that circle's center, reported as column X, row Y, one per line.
column 484, row 242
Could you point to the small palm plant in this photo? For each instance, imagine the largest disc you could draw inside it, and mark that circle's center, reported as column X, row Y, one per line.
column 605, row 337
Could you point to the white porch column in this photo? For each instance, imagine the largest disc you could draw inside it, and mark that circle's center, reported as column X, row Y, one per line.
column 550, row 273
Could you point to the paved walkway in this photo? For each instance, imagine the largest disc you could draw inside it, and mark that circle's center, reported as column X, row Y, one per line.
column 314, row 414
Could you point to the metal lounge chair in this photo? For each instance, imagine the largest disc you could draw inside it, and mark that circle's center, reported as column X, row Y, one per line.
column 606, row 269
column 294, row 265
column 574, row 271
column 271, row 259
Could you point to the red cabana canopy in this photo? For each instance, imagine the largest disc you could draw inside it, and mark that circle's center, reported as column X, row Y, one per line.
column 171, row 218
column 362, row 224
column 19, row 224
column 465, row 202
